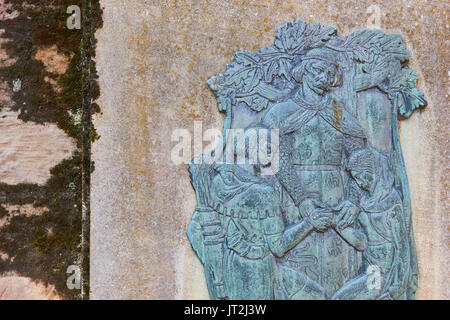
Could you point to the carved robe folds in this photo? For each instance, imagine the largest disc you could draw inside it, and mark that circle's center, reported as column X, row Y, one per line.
column 314, row 142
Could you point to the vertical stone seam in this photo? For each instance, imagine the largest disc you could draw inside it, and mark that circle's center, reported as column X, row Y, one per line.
column 87, row 45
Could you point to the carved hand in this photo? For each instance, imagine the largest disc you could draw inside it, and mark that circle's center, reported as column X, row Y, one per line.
column 308, row 206
column 320, row 220
column 348, row 212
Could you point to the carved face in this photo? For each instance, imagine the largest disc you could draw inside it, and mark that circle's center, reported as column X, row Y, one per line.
column 320, row 75
column 364, row 179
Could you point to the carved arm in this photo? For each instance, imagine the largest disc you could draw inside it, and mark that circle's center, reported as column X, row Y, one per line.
column 281, row 241
column 353, row 236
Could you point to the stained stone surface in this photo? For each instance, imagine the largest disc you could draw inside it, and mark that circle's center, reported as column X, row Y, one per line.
column 154, row 58
column 28, row 151
column 15, row 287
column 35, row 152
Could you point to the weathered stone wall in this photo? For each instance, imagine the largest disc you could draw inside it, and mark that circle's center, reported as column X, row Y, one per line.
column 153, row 59
column 40, row 149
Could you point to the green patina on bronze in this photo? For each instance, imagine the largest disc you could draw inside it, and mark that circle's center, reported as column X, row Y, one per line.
column 331, row 219
column 38, row 253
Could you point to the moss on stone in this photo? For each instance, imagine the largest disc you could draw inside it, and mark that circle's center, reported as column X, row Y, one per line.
column 42, row 247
